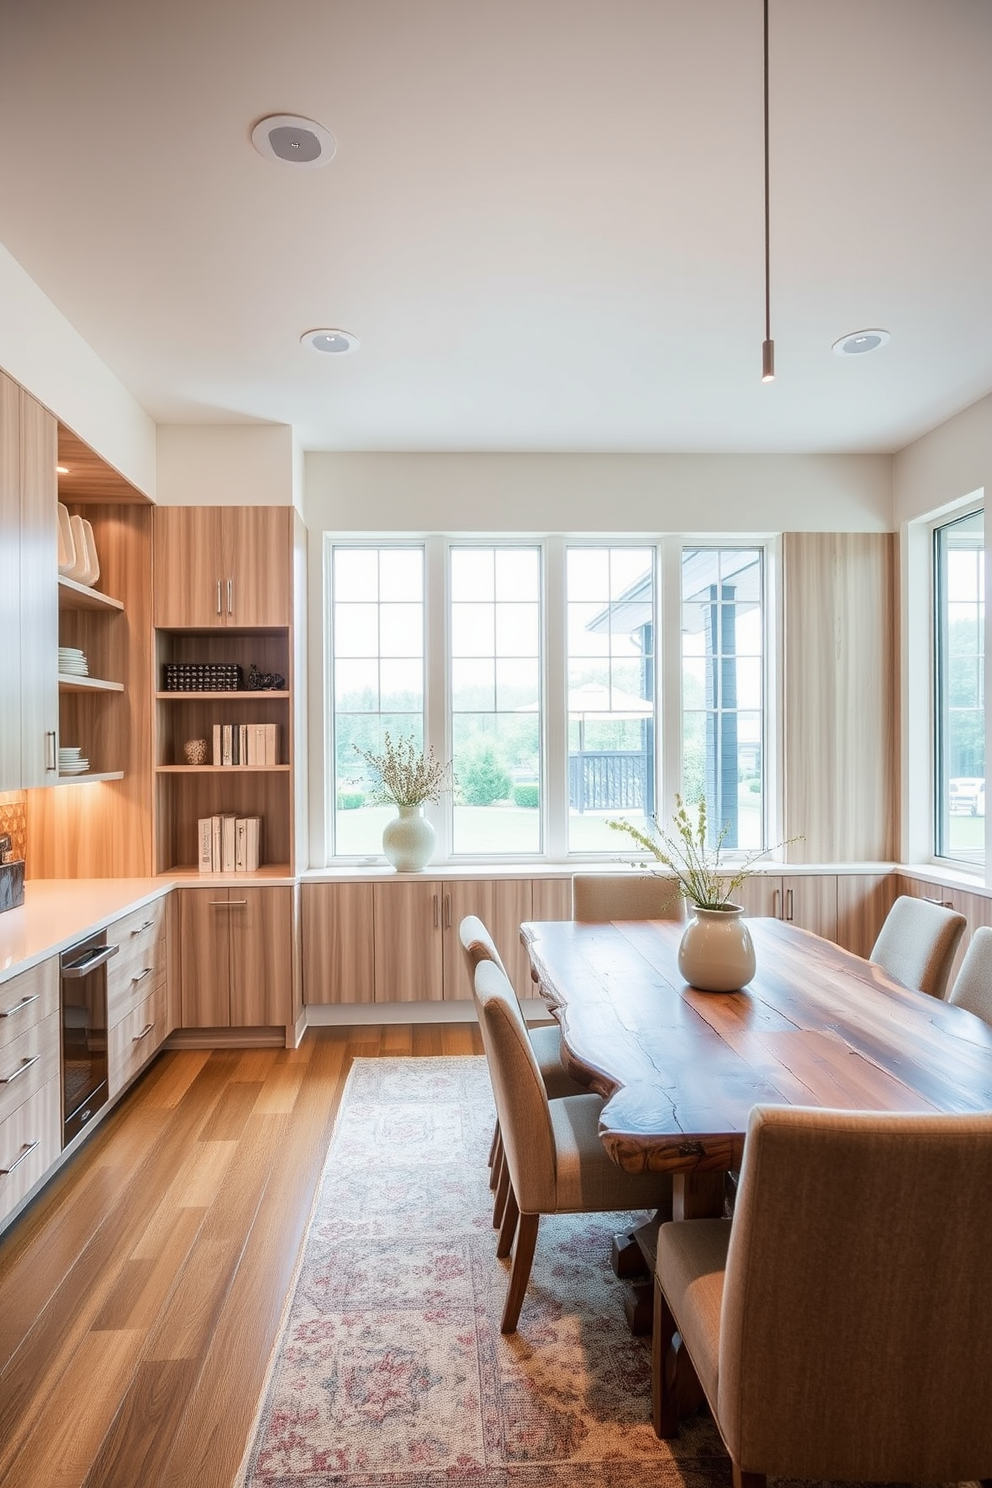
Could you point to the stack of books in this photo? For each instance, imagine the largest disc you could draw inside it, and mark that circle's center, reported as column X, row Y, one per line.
column 229, row 843
column 246, row 744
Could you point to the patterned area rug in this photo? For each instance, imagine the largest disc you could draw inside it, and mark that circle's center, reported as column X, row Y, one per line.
column 392, row 1371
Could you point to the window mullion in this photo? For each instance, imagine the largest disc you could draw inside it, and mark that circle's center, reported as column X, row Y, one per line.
column 555, row 785
column 670, row 672
column 437, row 682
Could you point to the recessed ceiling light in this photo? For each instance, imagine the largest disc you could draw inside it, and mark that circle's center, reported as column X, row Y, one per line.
column 857, row 343
column 295, row 141
column 334, row 342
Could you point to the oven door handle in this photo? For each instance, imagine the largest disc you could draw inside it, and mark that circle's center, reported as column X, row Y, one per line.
column 96, row 958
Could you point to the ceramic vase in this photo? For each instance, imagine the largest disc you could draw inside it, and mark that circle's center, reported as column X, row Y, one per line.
column 716, row 953
column 408, row 840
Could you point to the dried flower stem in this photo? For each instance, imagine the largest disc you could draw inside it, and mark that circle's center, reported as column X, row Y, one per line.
column 406, row 776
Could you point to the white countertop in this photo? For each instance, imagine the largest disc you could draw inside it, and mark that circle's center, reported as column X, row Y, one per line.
column 57, row 912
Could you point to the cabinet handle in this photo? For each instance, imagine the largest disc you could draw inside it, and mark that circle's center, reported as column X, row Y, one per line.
column 434, row 897
column 219, row 610
column 776, row 895
column 944, row 903
column 20, row 1006
column 51, row 753
column 230, row 596
column 447, row 911
column 141, row 975
column 146, row 926
column 788, row 904
column 228, row 903
column 143, row 1034
column 24, row 1067
column 5, row 1172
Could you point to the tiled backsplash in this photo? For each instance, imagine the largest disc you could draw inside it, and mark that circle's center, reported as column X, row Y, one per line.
column 13, row 819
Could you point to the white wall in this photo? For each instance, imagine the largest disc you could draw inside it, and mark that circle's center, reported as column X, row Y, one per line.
column 42, row 351
column 227, row 465
column 598, row 493
column 951, row 463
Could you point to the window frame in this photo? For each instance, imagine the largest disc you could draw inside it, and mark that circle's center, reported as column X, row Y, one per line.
column 979, row 867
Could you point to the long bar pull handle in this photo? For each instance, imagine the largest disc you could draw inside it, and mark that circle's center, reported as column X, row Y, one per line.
column 436, row 918
column 20, row 1006
column 89, row 962
column 146, row 926
column 944, row 903
column 51, row 753
column 141, row 975
column 219, row 610
column 143, row 1034
column 447, row 911
column 788, row 904
column 228, row 903
column 230, row 596
column 24, row 1066
column 5, row 1172
column 776, row 896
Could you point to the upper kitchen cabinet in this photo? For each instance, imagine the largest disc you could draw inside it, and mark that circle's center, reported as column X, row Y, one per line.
column 10, row 585
column 223, row 566
column 39, row 611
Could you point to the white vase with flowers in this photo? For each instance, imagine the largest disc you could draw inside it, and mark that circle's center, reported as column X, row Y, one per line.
column 405, row 776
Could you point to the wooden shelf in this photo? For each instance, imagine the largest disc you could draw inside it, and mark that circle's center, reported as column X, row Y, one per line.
column 87, row 779
column 189, row 875
column 221, row 769
column 73, row 596
column 243, row 696
column 69, row 683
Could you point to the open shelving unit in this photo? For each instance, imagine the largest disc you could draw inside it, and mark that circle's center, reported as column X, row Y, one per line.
column 91, row 708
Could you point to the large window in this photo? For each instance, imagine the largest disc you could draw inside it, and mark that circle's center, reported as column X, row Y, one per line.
column 539, row 669
column 959, row 561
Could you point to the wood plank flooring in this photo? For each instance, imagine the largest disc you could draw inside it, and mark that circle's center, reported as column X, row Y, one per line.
column 142, row 1291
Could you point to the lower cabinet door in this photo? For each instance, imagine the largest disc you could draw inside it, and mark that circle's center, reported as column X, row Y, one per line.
column 260, row 923
column 502, row 904
column 338, row 950
column 133, row 1040
column 205, row 957
column 30, row 1141
column 407, row 938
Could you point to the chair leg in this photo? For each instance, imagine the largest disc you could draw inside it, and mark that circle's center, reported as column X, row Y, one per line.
column 494, row 1144
column 747, row 1480
column 496, row 1158
column 508, row 1224
column 502, row 1186
column 664, row 1405
column 523, row 1259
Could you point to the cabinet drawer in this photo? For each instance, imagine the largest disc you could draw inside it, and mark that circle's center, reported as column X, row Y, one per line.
column 28, row 999
column 137, row 934
column 30, row 1141
column 133, row 1040
column 27, row 1063
column 133, row 978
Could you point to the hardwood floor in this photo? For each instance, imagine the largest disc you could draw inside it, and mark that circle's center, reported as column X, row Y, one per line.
column 141, row 1293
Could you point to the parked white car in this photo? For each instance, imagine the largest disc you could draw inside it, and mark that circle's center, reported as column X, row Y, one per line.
column 967, row 796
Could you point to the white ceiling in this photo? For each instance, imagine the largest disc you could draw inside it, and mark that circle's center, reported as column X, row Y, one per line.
column 543, row 222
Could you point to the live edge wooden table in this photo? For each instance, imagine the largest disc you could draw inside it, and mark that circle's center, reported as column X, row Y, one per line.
column 680, row 1069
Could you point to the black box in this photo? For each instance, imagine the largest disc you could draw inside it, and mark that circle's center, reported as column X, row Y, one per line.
column 11, row 884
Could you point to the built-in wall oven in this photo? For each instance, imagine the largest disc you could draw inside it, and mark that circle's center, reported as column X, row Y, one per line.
column 84, row 1032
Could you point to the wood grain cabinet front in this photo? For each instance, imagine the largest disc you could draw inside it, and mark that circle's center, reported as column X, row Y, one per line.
column 222, row 565
column 29, row 1034
column 30, row 1142
column 133, row 1038
column 397, row 940
column 237, row 957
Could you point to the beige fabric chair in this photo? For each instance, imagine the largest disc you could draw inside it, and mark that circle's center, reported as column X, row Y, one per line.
column 838, row 1330
column 555, row 1158
column 973, row 985
column 916, row 944
column 625, row 896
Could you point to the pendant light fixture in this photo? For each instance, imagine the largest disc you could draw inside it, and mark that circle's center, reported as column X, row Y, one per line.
column 768, row 348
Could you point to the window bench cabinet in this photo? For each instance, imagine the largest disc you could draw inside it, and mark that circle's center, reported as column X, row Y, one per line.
column 30, row 1103
column 395, row 939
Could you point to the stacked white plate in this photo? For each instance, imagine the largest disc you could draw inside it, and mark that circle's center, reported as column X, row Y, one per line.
column 71, row 761
column 72, row 662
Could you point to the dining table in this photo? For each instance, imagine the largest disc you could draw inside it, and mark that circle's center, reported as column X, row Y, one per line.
column 680, row 1069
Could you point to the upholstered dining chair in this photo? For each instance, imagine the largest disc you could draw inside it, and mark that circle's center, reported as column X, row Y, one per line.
column 916, row 943
column 973, row 984
column 556, row 1161
column 478, row 945
column 839, row 1332
column 625, row 896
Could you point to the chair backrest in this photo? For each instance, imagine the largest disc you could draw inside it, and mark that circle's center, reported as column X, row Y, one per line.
column 916, row 944
column 973, row 985
column 625, row 896
column 478, row 944
column 856, row 1326
column 521, row 1099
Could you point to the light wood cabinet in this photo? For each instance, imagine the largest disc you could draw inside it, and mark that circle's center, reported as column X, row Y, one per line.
column 223, row 566
column 863, row 901
column 808, row 900
column 30, row 1142
column 30, row 1110
column 10, row 585
column 396, row 940
column 237, row 957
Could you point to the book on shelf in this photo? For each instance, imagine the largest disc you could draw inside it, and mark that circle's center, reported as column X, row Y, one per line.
column 227, row 843
column 236, row 744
